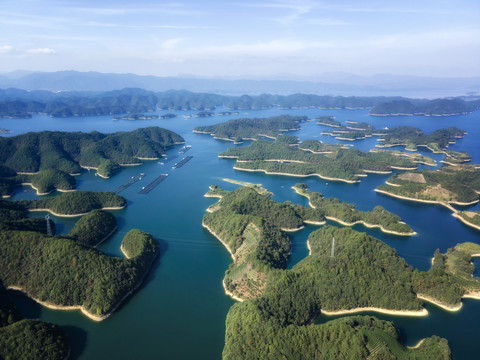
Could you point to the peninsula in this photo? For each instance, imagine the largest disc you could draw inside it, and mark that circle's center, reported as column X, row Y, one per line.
column 253, row 229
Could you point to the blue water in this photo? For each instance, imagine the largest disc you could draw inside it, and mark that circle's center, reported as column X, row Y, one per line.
column 179, row 312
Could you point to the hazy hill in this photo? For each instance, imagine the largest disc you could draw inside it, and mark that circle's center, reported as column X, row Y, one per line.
column 333, row 84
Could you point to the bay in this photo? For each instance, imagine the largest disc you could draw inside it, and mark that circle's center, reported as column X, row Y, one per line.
column 180, row 311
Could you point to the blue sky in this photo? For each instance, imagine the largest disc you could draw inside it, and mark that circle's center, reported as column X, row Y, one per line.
column 242, row 38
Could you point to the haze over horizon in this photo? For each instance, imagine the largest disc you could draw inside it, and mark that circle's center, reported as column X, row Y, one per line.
column 242, row 39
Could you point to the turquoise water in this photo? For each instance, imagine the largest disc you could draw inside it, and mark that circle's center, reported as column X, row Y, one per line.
column 179, row 312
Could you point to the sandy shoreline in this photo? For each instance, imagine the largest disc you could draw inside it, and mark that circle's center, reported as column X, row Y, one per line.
column 297, row 175
column 423, row 312
column 352, row 224
column 370, row 226
column 219, row 239
column 229, row 293
column 466, row 222
column 439, row 304
column 417, row 200
column 75, row 215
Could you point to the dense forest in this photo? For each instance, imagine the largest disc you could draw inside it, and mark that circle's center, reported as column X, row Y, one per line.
column 437, row 107
column 67, row 270
column 94, row 227
column 448, row 184
column 75, row 203
column 243, row 129
column 331, row 162
column 407, row 136
column 70, row 151
column 364, row 272
column 253, row 228
column 334, row 209
column 411, row 137
column 360, row 272
column 22, row 104
column 26, row 338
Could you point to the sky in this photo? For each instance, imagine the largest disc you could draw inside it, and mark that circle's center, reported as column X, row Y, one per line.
column 244, row 38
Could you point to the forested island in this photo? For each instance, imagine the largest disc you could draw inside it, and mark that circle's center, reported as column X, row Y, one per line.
column 448, row 185
column 26, row 338
column 16, row 103
column 69, row 152
column 437, row 107
column 67, row 272
column 412, row 137
column 239, row 130
column 252, row 227
column 408, row 136
column 330, row 162
column 143, row 117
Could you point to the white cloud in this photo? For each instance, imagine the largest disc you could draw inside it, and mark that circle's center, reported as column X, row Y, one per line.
column 41, row 51
column 5, row 49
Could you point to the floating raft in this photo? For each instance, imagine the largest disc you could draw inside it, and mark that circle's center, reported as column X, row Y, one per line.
column 183, row 162
column 153, row 184
column 168, row 159
column 131, row 182
column 185, row 149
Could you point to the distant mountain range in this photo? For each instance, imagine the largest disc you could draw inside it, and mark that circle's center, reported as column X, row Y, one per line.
column 17, row 103
column 327, row 84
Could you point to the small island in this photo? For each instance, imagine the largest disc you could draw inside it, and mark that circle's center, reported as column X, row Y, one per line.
column 239, row 130
column 134, row 117
column 329, row 162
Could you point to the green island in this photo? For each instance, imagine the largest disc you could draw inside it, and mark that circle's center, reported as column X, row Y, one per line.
column 415, row 157
column 143, row 117
column 5, row 131
column 458, row 185
column 66, row 272
column 27, row 338
column 437, row 107
column 364, row 274
column 336, row 163
column 353, row 131
column 412, row 137
column 252, row 227
column 346, row 214
column 71, row 151
column 456, row 157
column 239, row 130
column 328, row 121
column 203, row 114
column 75, row 203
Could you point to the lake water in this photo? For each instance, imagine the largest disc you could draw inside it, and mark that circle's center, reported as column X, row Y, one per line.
column 179, row 312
